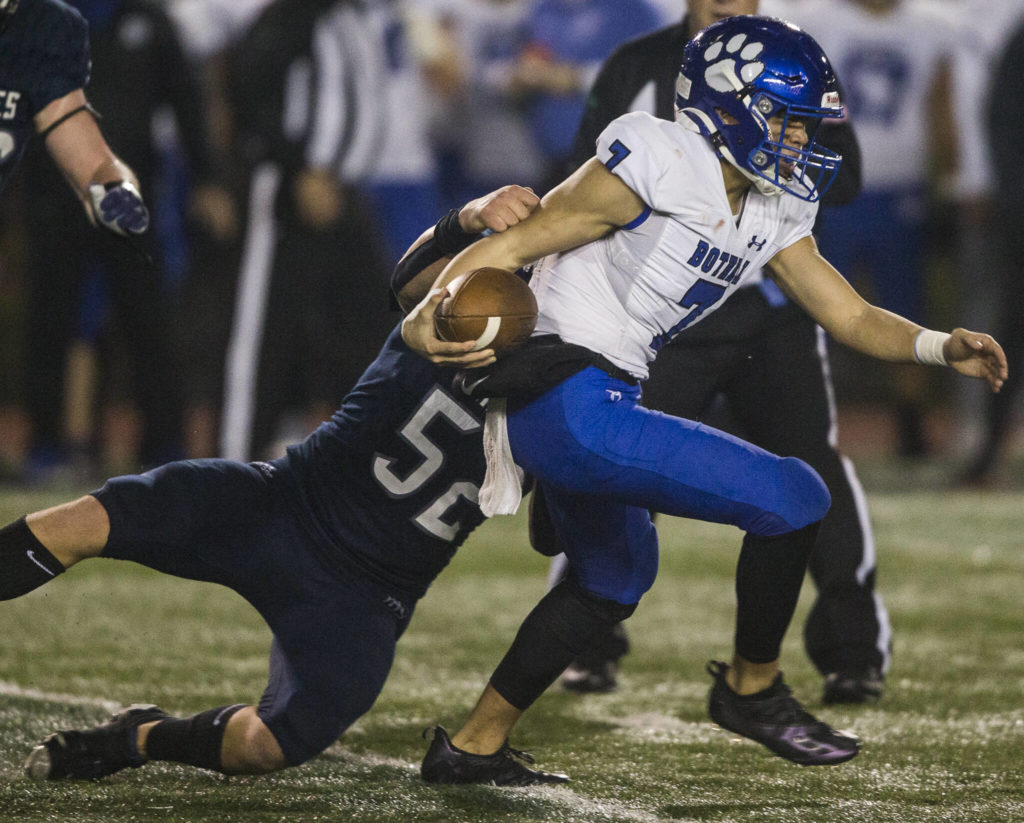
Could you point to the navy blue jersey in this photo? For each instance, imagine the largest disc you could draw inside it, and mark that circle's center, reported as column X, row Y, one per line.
column 392, row 479
column 44, row 55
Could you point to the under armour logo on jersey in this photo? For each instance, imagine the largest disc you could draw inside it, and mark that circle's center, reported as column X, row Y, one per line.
column 724, row 75
column 755, row 244
column 614, row 396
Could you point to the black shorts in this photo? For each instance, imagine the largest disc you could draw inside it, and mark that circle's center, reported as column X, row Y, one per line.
column 237, row 524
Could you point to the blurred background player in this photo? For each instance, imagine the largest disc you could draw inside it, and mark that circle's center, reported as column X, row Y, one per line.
column 44, row 68
column 768, row 360
column 987, row 282
column 895, row 59
column 511, row 78
column 402, row 178
column 564, row 42
column 310, row 299
column 479, row 130
column 95, row 312
column 210, row 31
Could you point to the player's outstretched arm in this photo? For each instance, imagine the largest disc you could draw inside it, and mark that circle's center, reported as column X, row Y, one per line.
column 826, row 295
column 106, row 186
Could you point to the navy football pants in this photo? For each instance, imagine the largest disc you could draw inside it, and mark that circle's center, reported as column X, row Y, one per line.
column 234, row 523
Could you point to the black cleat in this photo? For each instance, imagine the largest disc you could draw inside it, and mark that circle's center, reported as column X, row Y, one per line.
column 591, row 676
column 775, row 719
column 853, row 687
column 444, row 763
column 92, row 753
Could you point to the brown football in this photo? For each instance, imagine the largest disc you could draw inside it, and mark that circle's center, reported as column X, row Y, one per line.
column 489, row 305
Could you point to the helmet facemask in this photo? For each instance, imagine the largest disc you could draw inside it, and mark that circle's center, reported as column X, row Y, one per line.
column 804, row 172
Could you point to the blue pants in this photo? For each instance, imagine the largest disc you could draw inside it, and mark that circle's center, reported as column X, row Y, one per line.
column 234, row 524
column 605, row 461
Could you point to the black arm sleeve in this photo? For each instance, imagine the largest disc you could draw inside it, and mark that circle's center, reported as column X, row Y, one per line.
column 424, row 255
column 447, row 241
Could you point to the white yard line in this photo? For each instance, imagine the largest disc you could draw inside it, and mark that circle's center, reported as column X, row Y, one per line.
column 9, row 689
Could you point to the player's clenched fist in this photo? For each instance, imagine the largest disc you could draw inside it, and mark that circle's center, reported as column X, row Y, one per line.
column 498, row 210
column 118, row 207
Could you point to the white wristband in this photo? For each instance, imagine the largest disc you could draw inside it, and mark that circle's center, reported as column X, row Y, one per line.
column 928, row 347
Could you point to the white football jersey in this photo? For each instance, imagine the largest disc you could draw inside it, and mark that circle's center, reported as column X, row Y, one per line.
column 627, row 294
column 887, row 65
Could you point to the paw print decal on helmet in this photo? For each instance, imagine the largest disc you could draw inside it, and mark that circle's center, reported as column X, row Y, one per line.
column 738, row 74
column 721, row 74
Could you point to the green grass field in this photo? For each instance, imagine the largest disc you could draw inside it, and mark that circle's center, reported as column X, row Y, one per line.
column 946, row 744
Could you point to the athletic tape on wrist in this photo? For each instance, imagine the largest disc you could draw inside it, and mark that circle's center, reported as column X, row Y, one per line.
column 928, row 347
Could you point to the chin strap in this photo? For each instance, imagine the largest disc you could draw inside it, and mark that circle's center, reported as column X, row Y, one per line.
column 698, row 121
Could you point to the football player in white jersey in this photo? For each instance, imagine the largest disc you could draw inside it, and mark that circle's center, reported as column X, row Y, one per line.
column 731, row 364
column 645, row 239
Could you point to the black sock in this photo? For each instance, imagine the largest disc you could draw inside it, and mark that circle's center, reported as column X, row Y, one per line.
column 192, row 740
column 769, row 575
column 25, row 563
column 563, row 624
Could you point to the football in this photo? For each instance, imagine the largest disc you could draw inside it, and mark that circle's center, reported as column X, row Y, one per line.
column 492, row 306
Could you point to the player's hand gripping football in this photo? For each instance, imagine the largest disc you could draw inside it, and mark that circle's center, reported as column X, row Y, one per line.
column 420, row 335
column 976, row 355
column 117, row 206
column 497, row 211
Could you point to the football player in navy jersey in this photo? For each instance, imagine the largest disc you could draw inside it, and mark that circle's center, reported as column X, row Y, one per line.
column 664, row 224
column 347, row 530
column 44, row 68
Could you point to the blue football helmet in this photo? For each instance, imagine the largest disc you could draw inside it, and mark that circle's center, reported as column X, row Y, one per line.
column 750, row 69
